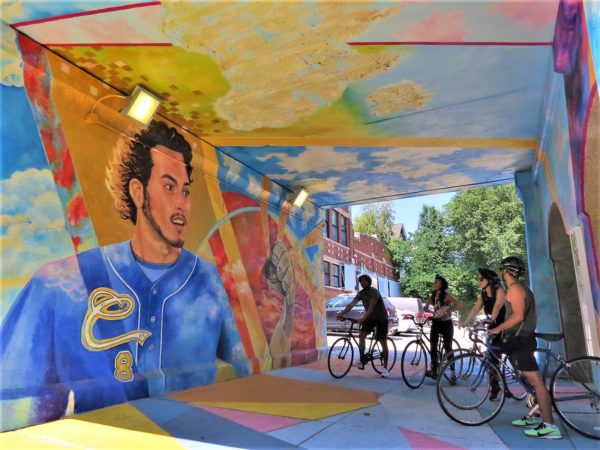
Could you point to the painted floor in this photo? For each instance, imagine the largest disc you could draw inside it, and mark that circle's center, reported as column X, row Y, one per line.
column 299, row 407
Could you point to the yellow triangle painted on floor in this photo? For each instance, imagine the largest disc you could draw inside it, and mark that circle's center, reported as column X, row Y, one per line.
column 310, row 411
column 121, row 426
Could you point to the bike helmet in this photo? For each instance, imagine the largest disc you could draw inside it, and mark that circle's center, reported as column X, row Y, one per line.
column 513, row 265
column 489, row 275
column 443, row 280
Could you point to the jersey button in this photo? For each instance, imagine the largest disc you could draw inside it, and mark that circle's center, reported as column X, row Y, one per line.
column 154, row 291
column 153, row 319
column 151, row 347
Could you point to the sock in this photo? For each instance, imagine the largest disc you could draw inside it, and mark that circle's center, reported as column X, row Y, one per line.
column 551, row 425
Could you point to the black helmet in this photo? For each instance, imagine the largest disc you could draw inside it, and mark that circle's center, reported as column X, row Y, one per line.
column 443, row 280
column 489, row 275
column 513, row 265
column 365, row 277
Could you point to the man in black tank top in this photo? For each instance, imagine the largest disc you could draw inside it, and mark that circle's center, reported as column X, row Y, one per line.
column 376, row 317
column 521, row 322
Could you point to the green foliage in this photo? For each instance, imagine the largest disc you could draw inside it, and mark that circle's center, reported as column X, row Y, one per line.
column 378, row 219
column 477, row 228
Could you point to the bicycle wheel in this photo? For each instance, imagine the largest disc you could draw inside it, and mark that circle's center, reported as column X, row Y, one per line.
column 377, row 360
column 465, row 398
column 514, row 387
column 413, row 364
column 575, row 390
column 341, row 355
column 443, row 357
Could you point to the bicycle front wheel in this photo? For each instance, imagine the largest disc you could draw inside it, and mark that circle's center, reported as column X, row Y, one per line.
column 377, row 360
column 575, row 389
column 465, row 396
column 341, row 355
column 414, row 364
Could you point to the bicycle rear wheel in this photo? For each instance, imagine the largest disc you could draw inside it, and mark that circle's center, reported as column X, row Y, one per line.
column 377, row 360
column 341, row 355
column 465, row 398
column 514, row 387
column 414, row 364
column 575, row 389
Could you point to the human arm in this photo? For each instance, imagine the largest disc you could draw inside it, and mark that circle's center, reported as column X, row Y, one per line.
column 473, row 312
column 516, row 297
column 499, row 304
column 348, row 307
column 230, row 347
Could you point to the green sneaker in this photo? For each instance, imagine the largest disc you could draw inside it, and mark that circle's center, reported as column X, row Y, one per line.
column 544, row 431
column 527, row 421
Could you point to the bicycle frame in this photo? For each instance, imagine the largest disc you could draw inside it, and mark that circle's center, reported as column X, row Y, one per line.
column 372, row 341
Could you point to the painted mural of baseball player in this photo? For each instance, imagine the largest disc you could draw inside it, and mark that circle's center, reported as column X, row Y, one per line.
column 124, row 321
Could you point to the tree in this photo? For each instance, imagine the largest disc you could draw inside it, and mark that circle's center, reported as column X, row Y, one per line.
column 424, row 254
column 377, row 219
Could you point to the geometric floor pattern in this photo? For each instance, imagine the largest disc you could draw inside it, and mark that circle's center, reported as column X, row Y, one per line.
column 297, row 407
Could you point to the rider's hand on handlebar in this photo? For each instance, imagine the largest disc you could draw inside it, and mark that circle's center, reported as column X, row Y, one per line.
column 361, row 320
column 339, row 316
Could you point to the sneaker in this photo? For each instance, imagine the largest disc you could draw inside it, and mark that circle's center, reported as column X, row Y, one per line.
column 527, row 421
column 359, row 365
column 495, row 397
column 430, row 374
column 385, row 373
column 544, row 431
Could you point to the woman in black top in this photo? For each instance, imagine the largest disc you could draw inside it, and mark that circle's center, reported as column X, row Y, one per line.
column 444, row 304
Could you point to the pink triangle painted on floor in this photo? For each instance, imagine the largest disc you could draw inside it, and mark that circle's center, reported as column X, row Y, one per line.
column 423, row 441
column 262, row 423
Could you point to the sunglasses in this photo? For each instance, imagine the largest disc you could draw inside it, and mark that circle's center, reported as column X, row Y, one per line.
column 480, row 278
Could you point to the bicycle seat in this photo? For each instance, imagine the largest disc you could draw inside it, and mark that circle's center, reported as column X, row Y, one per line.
column 551, row 337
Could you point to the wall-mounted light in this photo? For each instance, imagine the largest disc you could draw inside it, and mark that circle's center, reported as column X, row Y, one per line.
column 143, row 104
column 300, row 198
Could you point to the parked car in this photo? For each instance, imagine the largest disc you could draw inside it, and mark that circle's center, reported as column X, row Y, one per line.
column 407, row 307
column 337, row 304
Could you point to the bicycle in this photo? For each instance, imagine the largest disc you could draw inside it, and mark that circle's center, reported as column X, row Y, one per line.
column 513, row 387
column 341, row 353
column 414, row 361
column 574, row 388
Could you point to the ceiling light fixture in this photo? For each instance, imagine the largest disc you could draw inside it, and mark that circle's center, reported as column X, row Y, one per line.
column 300, row 198
column 143, row 104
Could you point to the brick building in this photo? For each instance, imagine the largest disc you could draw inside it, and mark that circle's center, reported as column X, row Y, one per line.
column 347, row 254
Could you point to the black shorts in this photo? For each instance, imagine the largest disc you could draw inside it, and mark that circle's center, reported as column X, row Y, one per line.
column 370, row 324
column 522, row 357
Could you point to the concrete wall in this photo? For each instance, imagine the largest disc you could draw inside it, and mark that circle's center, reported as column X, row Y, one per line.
column 561, row 194
column 82, row 324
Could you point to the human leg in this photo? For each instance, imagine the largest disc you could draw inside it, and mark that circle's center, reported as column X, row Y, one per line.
column 434, row 337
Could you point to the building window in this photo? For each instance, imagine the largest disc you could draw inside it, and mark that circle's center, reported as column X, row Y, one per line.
column 343, row 231
column 335, row 279
column 334, row 225
column 326, row 225
column 327, row 278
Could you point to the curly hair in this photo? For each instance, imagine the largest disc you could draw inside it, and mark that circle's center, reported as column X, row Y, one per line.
column 134, row 160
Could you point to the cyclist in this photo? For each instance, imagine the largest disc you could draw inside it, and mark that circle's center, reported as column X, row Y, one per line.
column 375, row 317
column 444, row 304
column 521, row 323
column 491, row 299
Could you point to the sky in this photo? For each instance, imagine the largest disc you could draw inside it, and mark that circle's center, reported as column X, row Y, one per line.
column 407, row 210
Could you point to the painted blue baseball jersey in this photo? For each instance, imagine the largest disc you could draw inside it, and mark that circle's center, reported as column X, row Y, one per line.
column 94, row 324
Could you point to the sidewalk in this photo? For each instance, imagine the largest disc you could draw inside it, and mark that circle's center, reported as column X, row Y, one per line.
column 299, row 407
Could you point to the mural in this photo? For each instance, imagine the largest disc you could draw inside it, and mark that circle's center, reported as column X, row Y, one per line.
column 461, row 103
column 137, row 307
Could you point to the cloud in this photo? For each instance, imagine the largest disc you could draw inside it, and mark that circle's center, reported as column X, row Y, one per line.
column 283, row 60
column 436, row 27
column 502, row 160
column 364, row 190
column 531, row 14
column 11, row 65
column 399, row 97
column 411, row 162
column 316, row 159
column 33, row 225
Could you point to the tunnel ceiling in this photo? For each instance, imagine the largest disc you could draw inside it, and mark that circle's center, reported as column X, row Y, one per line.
column 356, row 101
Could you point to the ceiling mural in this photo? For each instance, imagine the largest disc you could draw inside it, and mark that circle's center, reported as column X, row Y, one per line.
column 357, row 101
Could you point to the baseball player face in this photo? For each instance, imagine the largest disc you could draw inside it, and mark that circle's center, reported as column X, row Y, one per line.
column 167, row 196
